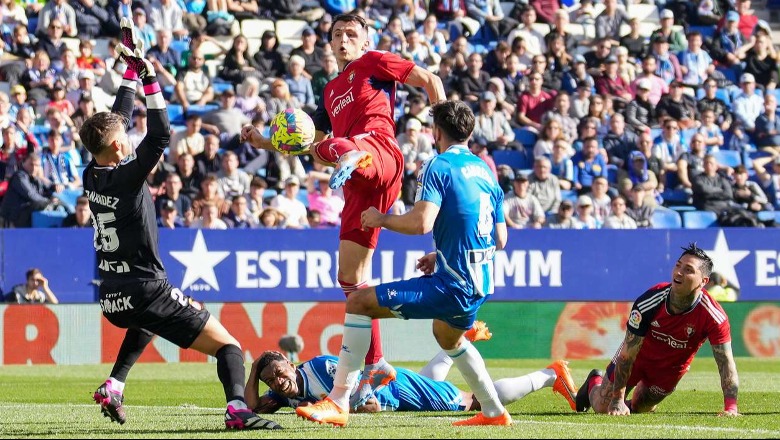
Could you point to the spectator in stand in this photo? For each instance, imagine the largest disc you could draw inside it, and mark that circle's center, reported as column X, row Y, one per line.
column 762, row 64
column 12, row 153
column 577, row 75
column 640, row 113
column 635, row 42
column 728, row 44
column 209, row 161
column 430, row 33
column 534, row 40
column 39, row 78
column 690, row 164
column 561, row 164
column 193, row 85
column 239, row 216
column 167, row 14
column 60, row 11
column 249, row 101
column 188, row 140
column 646, row 146
column 560, row 112
column 238, row 65
column 189, row 175
column 551, row 81
column 143, row 29
column 22, row 45
column 58, row 166
column 256, row 199
column 329, row 71
column 546, row 10
column 27, row 192
column 713, row 136
column 300, row 84
column 136, row 134
column 746, row 21
column 489, row 13
column 226, row 121
column 676, row 39
column 558, row 28
column 322, row 199
column 473, row 81
column 281, row 98
column 599, row 113
column 522, row 54
column 564, row 217
column 619, row 218
column 544, row 185
column 459, row 52
column 102, row 100
column 59, row 102
column 668, row 146
column 533, row 103
column 626, row 67
column 413, row 142
column 310, row 52
column 68, row 74
column 481, row 151
column 52, row 43
column 169, row 217
column 35, row 291
column 418, row 51
column 209, row 218
column 271, row 218
column 719, row 108
column 521, row 209
column 173, row 186
column 658, row 87
column 612, row 85
column 637, row 173
column 767, row 132
column 609, row 21
column 695, row 63
column 87, row 61
column 667, row 64
column 638, row 209
column 81, row 217
column 290, row 206
column 24, row 123
column 712, row 191
column 600, row 198
column 166, row 56
column 584, row 213
column 747, row 193
column 492, row 128
column 747, row 106
column 209, row 193
column 588, row 164
column 323, row 30
column 618, row 143
column 679, row 106
column 595, row 59
column 232, row 180
column 269, row 61
column 551, row 132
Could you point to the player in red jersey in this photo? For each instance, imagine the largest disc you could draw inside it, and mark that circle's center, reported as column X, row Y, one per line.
column 667, row 326
column 357, row 110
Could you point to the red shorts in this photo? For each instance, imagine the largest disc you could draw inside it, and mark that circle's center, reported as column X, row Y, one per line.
column 662, row 380
column 378, row 185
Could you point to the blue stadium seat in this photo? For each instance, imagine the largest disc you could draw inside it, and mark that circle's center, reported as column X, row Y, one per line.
column 48, row 219
column 728, row 158
column 705, row 31
column 175, row 114
column 220, row 87
column 699, row 219
column 569, row 194
column 682, row 208
column 612, row 171
column 525, row 137
column 201, row 109
column 515, row 159
column 673, row 197
column 730, row 74
column 180, row 46
column 665, row 218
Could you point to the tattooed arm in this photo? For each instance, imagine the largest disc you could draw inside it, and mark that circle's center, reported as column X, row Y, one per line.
column 623, row 365
column 729, row 380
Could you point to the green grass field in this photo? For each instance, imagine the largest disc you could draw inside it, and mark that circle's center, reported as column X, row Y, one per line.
column 186, row 401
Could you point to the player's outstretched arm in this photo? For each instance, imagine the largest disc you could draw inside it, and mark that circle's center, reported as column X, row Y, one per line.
column 432, row 84
column 729, row 380
column 125, row 97
column 623, row 365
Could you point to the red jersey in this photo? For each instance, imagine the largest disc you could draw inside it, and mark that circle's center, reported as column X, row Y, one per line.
column 671, row 341
column 361, row 98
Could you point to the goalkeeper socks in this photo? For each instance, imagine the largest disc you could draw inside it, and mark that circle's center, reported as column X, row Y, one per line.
column 515, row 388
column 230, row 370
column 438, row 368
column 354, row 345
column 472, row 367
column 132, row 347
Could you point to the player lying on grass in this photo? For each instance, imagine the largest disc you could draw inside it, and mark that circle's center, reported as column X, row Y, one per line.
column 667, row 326
column 291, row 386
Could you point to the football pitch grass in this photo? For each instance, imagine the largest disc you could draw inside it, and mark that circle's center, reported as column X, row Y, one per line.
column 186, row 401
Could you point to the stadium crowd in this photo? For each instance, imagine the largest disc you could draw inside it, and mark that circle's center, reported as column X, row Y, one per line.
column 590, row 114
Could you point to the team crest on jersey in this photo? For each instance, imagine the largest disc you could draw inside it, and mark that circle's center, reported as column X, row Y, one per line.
column 689, row 330
column 635, row 319
column 391, row 293
column 351, row 76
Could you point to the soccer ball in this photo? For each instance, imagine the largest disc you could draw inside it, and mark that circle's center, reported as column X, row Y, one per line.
column 292, row 131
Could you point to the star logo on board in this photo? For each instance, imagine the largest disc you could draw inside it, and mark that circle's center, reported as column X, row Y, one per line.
column 725, row 260
column 199, row 263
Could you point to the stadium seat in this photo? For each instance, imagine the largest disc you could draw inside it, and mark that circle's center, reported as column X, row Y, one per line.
column 202, row 109
column 569, row 194
column 220, row 87
column 180, row 46
column 612, row 171
column 101, row 49
column 515, row 159
column 175, row 113
column 728, row 158
column 289, row 32
column 48, row 219
column 72, row 44
column 676, row 197
column 526, row 137
column 254, row 28
column 665, row 218
column 699, row 219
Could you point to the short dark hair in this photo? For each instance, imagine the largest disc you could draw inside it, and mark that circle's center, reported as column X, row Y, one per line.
column 266, row 358
column 706, row 261
column 82, row 200
column 31, row 273
column 97, row 131
column 347, row 18
column 455, row 118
